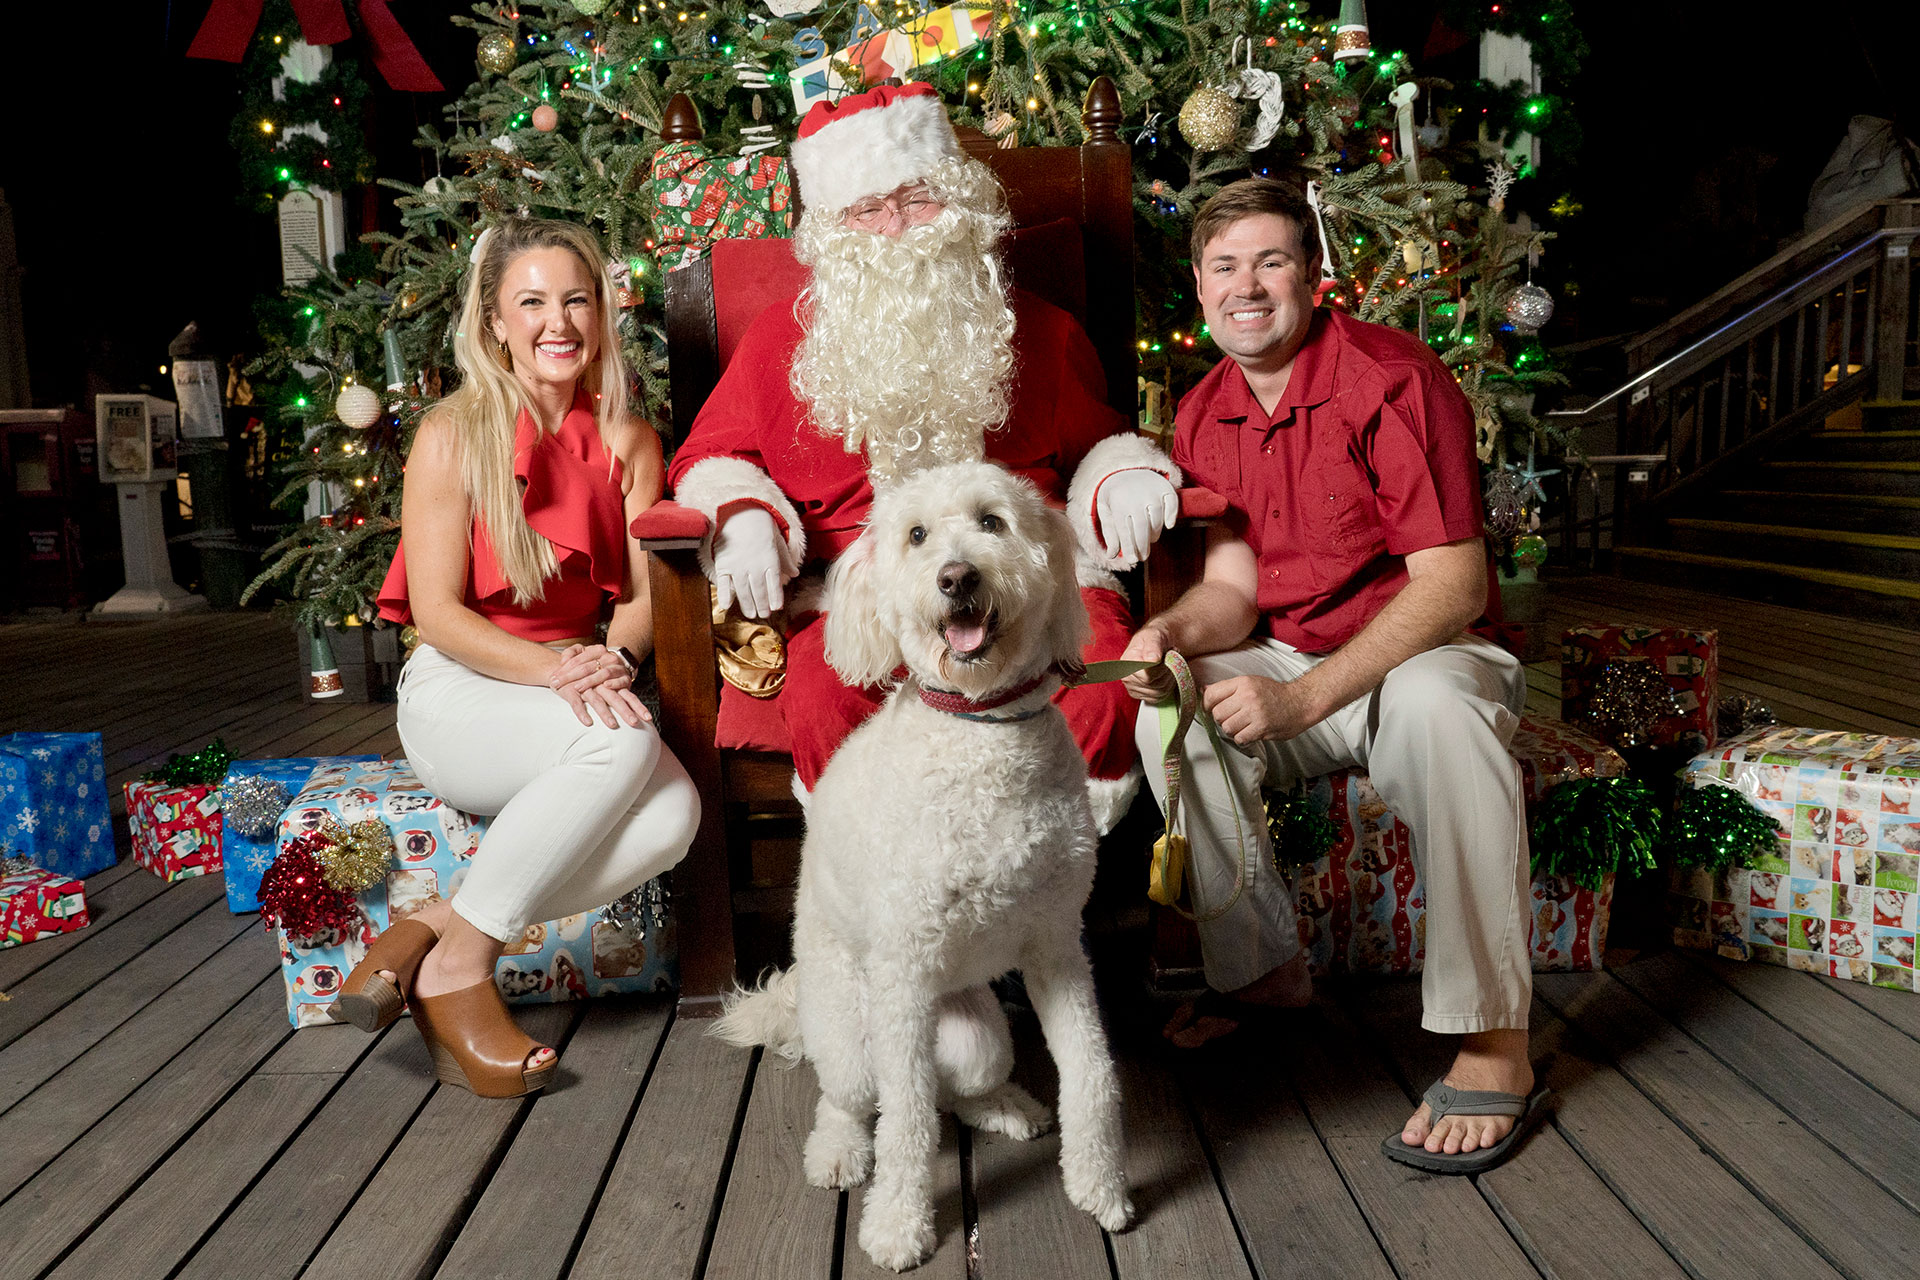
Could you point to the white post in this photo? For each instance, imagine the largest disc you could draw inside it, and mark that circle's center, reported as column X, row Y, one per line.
column 150, row 586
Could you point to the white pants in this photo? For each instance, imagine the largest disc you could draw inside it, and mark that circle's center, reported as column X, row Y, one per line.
column 580, row 814
column 1433, row 737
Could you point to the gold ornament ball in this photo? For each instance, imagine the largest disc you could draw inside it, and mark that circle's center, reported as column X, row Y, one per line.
column 358, row 406
column 497, row 52
column 1209, row 119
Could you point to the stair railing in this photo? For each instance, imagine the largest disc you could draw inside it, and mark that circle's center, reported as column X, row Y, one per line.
column 1843, row 330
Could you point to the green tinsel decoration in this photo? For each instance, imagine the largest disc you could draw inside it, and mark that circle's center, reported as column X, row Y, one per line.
column 1716, row 827
column 1301, row 830
column 1589, row 827
column 203, row 768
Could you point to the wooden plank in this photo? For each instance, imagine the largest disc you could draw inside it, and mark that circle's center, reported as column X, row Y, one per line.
column 36, row 1129
column 1703, row 1215
column 680, row 1140
column 1563, row 1215
column 1868, row 1130
column 772, row 1224
column 568, row 1141
column 1808, row 1006
column 327, row 1050
column 1025, row 1225
column 1897, row 1009
column 147, row 1235
column 1858, row 1225
column 949, row 1260
column 283, row 1219
column 408, row 1213
column 88, row 1018
column 1420, row 1219
column 1181, row 1226
column 105, row 908
column 88, row 1178
column 52, row 988
column 1284, row 1189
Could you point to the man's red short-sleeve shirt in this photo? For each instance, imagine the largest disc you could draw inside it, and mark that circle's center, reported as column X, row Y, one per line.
column 1368, row 456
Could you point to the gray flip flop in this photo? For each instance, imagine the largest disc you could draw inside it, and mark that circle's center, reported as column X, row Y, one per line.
column 1445, row 1100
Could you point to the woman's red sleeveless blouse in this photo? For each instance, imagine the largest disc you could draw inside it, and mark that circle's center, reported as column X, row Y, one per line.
column 570, row 492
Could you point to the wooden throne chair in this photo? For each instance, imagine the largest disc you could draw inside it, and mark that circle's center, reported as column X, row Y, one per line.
column 1073, row 245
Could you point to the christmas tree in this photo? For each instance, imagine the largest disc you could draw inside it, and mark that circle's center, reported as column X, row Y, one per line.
column 564, row 121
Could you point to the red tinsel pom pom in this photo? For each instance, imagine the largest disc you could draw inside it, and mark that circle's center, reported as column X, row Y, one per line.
column 294, row 893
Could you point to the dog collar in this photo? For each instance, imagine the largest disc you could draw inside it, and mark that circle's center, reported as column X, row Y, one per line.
column 958, row 704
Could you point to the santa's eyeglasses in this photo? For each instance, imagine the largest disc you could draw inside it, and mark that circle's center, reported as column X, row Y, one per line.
column 912, row 207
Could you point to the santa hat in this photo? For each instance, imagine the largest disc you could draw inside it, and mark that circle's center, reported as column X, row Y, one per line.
column 870, row 144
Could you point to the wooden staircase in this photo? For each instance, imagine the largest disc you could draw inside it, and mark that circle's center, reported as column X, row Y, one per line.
column 1775, row 432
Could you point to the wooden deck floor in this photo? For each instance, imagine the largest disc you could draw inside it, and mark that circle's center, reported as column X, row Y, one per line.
column 159, row 1118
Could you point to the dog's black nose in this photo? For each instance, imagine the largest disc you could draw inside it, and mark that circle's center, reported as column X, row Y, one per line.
column 958, row 579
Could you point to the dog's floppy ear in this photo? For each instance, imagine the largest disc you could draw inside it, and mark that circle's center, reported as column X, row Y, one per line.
column 1067, row 627
column 859, row 647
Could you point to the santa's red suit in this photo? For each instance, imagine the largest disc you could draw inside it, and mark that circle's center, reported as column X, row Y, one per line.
column 755, row 442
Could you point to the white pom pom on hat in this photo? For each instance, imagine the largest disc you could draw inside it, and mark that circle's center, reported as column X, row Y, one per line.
column 871, row 143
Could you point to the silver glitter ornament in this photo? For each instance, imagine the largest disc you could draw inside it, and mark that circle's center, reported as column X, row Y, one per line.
column 1209, row 119
column 1529, row 308
column 1506, row 505
column 252, row 805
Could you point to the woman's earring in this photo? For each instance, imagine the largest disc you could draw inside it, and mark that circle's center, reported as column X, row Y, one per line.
column 505, row 357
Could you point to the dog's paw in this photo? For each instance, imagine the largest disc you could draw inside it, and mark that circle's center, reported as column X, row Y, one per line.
column 1105, row 1197
column 834, row 1162
column 1008, row 1109
column 896, row 1241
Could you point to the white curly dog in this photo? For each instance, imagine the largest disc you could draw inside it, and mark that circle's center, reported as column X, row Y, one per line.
column 949, row 841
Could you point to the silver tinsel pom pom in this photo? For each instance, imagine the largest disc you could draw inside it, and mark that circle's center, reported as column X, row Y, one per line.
column 1628, row 702
column 1529, row 308
column 252, row 805
column 640, row 911
column 12, row 866
column 1740, row 713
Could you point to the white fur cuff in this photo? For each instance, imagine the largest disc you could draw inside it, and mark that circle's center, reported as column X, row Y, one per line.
column 1124, row 451
column 1112, row 797
column 712, row 483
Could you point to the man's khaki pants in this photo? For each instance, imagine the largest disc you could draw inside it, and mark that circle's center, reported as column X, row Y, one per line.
column 1434, row 738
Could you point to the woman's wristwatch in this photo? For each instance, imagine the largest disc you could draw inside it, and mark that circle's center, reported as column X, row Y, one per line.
column 626, row 655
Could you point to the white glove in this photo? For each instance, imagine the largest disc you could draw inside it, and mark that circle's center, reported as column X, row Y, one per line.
column 751, row 562
column 1135, row 507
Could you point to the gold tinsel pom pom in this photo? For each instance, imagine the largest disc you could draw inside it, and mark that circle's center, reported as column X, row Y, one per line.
column 497, row 52
column 357, row 857
column 1209, row 119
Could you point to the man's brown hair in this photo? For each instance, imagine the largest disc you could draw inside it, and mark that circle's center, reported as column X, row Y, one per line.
column 1249, row 198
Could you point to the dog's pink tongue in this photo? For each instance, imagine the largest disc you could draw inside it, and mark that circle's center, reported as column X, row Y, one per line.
column 966, row 637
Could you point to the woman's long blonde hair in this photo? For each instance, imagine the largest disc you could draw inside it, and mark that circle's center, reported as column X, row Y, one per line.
column 485, row 407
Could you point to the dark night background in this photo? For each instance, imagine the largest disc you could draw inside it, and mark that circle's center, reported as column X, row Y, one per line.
column 1704, row 120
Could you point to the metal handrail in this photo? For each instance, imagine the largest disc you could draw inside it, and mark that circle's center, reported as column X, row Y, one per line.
column 1805, row 282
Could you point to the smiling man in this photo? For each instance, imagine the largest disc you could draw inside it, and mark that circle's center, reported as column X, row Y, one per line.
column 908, row 348
column 1340, row 622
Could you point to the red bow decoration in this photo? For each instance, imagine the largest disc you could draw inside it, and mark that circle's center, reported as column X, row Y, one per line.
column 230, row 24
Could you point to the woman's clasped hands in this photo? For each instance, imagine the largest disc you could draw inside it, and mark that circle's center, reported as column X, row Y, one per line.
column 595, row 681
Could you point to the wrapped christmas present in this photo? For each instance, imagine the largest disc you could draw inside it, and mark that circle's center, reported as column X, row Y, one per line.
column 375, row 827
column 35, row 902
column 1362, row 906
column 53, row 802
column 1801, row 847
column 1605, row 702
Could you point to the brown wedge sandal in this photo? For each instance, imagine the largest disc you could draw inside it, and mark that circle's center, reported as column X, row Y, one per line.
column 475, row 1044
column 368, row 1000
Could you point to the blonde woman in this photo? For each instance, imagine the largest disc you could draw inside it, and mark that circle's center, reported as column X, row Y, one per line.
column 520, row 488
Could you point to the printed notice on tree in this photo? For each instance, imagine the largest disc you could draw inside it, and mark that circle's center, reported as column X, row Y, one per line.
column 302, row 237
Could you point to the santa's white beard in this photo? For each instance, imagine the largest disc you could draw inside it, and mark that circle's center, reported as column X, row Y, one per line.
column 909, row 345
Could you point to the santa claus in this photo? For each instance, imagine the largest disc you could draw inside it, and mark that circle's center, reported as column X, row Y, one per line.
column 908, row 348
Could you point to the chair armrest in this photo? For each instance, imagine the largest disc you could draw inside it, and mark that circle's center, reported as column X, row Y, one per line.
column 1199, row 504
column 1179, row 558
column 666, row 525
